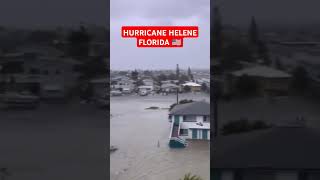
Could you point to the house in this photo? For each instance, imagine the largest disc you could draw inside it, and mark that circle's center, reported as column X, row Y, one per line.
column 148, row 82
column 278, row 153
column 151, row 82
column 189, row 121
column 145, row 88
column 123, row 84
column 194, row 87
column 170, row 81
column 44, row 71
column 269, row 80
column 169, row 88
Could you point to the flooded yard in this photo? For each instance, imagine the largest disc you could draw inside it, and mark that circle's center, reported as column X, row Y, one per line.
column 142, row 136
column 54, row 141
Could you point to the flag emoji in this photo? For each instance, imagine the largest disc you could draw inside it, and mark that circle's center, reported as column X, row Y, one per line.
column 176, row 42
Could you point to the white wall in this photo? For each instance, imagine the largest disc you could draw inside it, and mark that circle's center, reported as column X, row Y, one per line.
column 199, row 131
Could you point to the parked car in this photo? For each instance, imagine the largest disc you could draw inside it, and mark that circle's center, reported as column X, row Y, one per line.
column 116, row 93
column 143, row 92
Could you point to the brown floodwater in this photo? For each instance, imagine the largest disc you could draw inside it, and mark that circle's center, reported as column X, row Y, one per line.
column 142, row 135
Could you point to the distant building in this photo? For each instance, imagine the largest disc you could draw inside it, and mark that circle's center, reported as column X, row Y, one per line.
column 145, row 88
column 194, row 87
column 170, row 82
column 122, row 84
column 44, row 71
column 169, row 88
column 270, row 80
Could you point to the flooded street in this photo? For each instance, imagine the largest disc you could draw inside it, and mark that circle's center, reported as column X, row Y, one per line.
column 54, row 141
column 136, row 131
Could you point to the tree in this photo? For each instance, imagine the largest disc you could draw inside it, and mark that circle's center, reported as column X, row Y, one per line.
column 134, row 75
column 204, row 87
column 190, row 73
column 147, row 73
column 243, row 125
column 191, row 177
column 79, row 42
column 171, row 76
column 253, row 32
column 300, row 80
column 216, row 34
column 177, row 72
column 162, row 77
column 234, row 53
column 40, row 36
column 183, row 78
column 186, row 88
column 139, row 82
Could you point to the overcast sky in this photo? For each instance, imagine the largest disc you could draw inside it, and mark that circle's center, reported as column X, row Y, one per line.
column 125, row 55
column 286, row 12
column 44, row 13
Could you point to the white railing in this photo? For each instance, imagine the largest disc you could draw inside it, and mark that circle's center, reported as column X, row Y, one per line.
column 182, row 141
column 171, row 129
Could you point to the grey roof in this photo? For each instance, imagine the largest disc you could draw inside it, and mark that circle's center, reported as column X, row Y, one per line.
column 194, row 108
column 275, row 148
column 262, row 71
column 169, row 85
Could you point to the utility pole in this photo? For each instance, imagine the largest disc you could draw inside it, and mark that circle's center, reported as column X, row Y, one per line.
column 214, row 100
column 177, row 95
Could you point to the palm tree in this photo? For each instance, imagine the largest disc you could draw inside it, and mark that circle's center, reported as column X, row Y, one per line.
column 191, row 177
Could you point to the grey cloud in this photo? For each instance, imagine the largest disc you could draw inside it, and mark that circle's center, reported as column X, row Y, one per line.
column 276, row 11
column 157, row 8
column 32, row 13
column 125, row 54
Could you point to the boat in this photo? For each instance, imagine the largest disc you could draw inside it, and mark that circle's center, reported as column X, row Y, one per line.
column 113, row 148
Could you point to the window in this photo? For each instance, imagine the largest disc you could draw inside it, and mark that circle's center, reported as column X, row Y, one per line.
column 189, row 118
column 206, row 119
column 183, row 132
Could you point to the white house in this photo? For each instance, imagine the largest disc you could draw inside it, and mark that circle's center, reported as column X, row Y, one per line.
column 194, row 87
column 124, row 84
column 189, row 121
